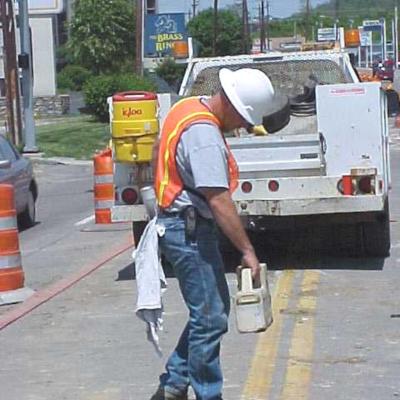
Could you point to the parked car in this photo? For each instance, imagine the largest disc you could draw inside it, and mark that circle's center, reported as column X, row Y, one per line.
column 18, row 171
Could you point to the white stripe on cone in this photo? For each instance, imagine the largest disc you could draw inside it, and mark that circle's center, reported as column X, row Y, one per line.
column 13, row 261
column 103, row 179
column 8, row 223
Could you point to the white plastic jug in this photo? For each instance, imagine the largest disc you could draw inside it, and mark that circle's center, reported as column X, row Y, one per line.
column 252, row 305
column 149, row 200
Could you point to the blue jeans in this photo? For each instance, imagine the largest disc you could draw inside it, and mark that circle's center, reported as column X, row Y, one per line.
column 199, row 269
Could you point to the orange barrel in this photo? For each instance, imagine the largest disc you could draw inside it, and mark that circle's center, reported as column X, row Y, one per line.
column 103, row 186
column 11, row 273
column 180, row 49
column 352, row 38
column 134, row 126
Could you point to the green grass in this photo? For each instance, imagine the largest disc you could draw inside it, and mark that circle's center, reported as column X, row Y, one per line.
column 77, row 137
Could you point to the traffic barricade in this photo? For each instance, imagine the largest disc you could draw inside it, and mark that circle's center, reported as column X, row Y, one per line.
column 11, row 273
column 103, row 186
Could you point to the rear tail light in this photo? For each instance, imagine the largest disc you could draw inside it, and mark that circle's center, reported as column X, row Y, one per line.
column 129, row 196
column 356, row 184
column 365, row 184
column 273, row 186
column 247, row 187
column 347, row 185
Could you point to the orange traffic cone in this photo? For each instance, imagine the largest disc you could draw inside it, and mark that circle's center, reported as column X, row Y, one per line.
column 103, row 186
column 11, row 274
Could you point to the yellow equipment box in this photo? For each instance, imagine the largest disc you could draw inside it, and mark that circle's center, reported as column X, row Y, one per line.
column 134, row 125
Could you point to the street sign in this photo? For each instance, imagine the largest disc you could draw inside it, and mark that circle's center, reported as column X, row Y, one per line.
column 326, row 34
column 161, row 31
column 374, row 25
column 365, row 37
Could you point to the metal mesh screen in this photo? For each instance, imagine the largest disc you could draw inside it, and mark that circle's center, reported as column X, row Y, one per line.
column 288, row 77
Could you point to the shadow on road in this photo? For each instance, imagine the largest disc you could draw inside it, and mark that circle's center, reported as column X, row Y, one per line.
column 280, row 258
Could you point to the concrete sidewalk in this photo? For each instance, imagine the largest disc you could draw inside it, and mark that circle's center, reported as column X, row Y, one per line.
column 87, row 343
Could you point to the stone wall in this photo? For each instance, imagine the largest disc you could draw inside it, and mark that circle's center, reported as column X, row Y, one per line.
column 46, row 106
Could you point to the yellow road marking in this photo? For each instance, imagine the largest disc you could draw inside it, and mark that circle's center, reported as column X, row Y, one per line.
column 298, row 372
column 259, row 379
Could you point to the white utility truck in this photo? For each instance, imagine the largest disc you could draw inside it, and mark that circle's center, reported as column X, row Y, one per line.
column 325, row 164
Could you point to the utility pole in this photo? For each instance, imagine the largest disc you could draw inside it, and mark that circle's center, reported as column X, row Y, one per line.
column 262, row 27
column 11, row 75
column 396, row 37
column 267, row 25
column 337, row 6
column 27, row 85
column 336, row 25
column 308, row 13
column 245, row 27
column 215, row 33
column 195, row 3
column 139, row 37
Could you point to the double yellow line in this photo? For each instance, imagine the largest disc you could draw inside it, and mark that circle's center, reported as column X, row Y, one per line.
column 298, row 368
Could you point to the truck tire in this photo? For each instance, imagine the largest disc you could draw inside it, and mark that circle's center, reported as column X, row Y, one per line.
column 137, row 230
column 376, row 235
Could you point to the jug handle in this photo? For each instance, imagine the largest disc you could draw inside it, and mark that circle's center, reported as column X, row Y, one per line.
column 245, row 280
column 263, row 275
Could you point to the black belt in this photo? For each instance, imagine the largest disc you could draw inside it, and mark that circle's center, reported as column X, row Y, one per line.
column 181, row 213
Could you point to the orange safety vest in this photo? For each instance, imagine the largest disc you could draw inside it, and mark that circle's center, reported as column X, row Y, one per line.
column 168, row 183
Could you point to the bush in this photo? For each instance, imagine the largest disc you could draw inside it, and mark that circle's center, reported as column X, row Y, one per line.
column 64, row 82
column 98, row 88
column 72, row 77
column 171, row 72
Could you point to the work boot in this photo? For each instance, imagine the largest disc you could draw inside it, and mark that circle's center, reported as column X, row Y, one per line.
column 162, row 394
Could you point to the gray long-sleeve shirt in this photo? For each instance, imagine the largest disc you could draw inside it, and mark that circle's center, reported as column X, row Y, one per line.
column 202, row 161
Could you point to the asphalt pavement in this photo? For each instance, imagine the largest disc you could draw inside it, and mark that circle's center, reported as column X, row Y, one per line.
column 336, row 333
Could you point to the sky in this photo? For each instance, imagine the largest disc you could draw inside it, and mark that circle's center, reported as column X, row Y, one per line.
column 278, row 8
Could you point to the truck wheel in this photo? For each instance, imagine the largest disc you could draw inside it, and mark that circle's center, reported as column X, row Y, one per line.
column 376, row 235
column 137, row 230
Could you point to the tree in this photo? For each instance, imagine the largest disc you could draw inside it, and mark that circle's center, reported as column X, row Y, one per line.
column 229, row 36
column 171, row 72
column 102, row 34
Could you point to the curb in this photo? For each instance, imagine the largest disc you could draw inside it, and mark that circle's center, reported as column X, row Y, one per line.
column 57, row 160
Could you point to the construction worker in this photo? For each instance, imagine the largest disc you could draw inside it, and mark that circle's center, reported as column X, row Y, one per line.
column 195, row 177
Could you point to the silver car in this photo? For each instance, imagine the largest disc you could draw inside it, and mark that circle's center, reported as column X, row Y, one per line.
column 18, row 171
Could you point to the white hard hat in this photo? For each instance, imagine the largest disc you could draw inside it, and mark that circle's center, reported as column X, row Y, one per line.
column 249, row 90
